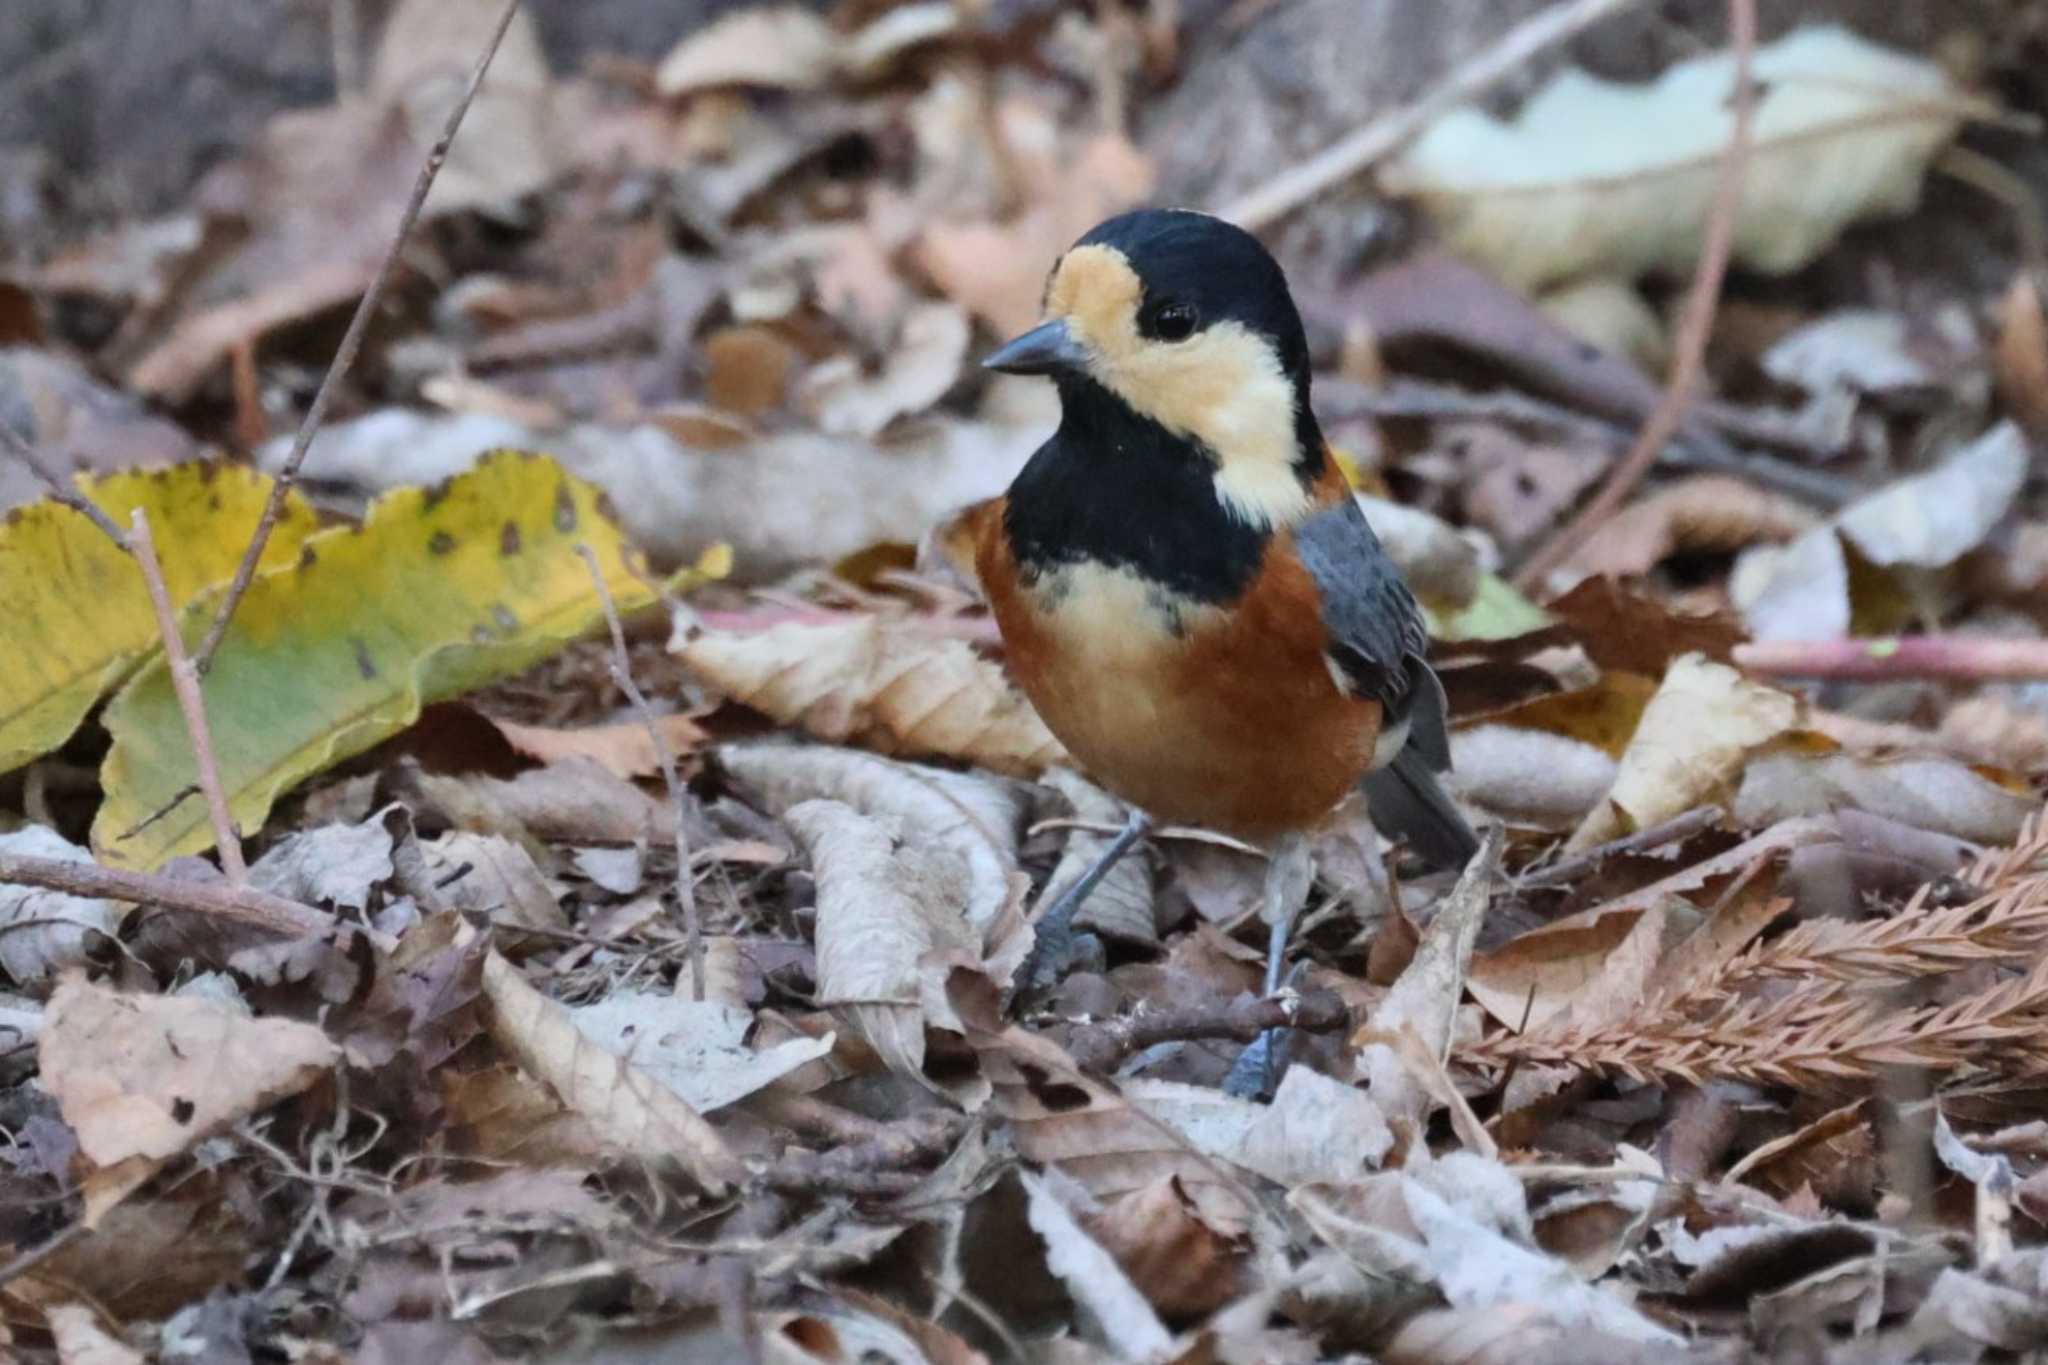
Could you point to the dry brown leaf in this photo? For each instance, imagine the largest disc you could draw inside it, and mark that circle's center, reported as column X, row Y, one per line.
column 705, row 1052
column 920, row 365
column 1604, row 715
column 1709, row 513
column 626, row 751
column 884, row 905
column 495, row 880
column 149, row 1075
column 997, row 271
column 1936, row 794
column 633, row 1114
column 2021, row 358
column 82, row 1341
column 1986, row 729
column 1695, row 735
column 975, row 815
column 781, row 47
column 1528, row 776
column 880, row 683
column 1424, row 1000
column 1536, row 976
column 747, row 368
column 573, row 800
column 44, row 932
column 1184, row 1264
column 1091, row 1275
column 1635, row 632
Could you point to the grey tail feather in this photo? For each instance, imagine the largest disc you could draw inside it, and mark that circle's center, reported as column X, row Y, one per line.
column 1408, row 803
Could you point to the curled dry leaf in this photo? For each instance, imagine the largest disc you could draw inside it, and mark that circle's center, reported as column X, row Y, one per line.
column 997, row 270
column 880, row 683
column 1937, row 794
column 634, row 1115
column 1529, row 776
column 626, row 751
column 1093, row 1277
column 336, row 865
column 493, row 878
column 575, row 800
column 1932, row 520
column 921, row 365
column 1182, row 1262
column 82, row 1341
column 1595, row 177
column 149, row 1075
column 1395, row 1224
column 1709, row 513
column 43, row 932
column 1424, row 999
column 1693, row 740
column 975, row 816
column 698, row 1049
column 783, row 47
column 884, row 905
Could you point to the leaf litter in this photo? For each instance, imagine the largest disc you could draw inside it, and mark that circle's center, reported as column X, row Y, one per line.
column 1728, row 1049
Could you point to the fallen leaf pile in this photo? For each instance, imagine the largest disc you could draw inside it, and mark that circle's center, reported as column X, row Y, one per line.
column 644, row 841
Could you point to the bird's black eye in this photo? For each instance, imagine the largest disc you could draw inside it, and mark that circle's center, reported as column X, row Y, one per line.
column 1171, row 321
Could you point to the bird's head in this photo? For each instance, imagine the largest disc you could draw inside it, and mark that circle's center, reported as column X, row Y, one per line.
column 1184, row 321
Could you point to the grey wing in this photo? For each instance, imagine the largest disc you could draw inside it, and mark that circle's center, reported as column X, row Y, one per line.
column 1378, row 642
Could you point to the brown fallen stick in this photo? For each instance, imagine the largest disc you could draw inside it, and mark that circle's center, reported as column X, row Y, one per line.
column 1961, row 657
column 242, row 904
column 1098, row 1047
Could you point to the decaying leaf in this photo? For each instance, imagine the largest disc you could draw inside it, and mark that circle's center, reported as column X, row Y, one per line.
column 74, row 616
column 922, row 363
column 149, row 1075
column 439, row 592
column 1709, row 513
column 1598, row 178
column 1937, row 794
column 884, row 906
column 634, row 1115
column 625, row 750
column 493, row 878
column 43, row 932
column 1695, row 734
column 699, row 1049
column 784, row 47
column 975, row 816
column 1093, row 1277
column 881, row 683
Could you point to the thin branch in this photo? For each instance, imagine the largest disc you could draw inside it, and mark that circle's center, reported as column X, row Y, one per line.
column 1676, row 830
column 622, row 675
column 61, row 490
column 1689, row 349
column 241, row 904
column 345, row 354
column 185, row 682
column 1101, row 1045
column 1959, row 657
column 1388, row 133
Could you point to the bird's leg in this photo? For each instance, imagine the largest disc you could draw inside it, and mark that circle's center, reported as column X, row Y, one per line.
column 1289, row 871
column 1054, row 948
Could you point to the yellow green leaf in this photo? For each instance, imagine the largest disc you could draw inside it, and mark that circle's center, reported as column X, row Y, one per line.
column 1496, row 612
column 439, row 592
column 74, row 618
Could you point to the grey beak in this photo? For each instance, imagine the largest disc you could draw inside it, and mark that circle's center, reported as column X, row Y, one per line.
column 1046, row 349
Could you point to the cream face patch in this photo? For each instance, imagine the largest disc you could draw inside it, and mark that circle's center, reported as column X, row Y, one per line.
column 1224, row 386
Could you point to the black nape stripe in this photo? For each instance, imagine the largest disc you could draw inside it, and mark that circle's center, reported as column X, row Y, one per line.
column 1117, row 488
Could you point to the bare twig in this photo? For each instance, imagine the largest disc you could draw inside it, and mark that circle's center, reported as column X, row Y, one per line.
column 185, row 682
column 1100, row 1046
column 1676, row 830
column 1386, row 134
column 242, row 904
column 1689, row 349
column 345, row 354
column 622, row 675
column 60, row 489
column 1961, row 657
